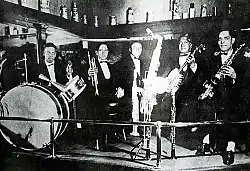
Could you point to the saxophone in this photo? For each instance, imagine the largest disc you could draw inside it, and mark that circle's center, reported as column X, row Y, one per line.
column 209, row 85
column 148, row 98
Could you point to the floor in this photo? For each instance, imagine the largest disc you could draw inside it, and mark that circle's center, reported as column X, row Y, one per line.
column 74, row 152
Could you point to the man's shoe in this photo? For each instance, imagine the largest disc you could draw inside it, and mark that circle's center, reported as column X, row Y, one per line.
column 228, row 157
column 202, row 149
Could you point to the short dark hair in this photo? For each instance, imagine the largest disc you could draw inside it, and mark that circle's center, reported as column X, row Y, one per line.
column 232, row 33
column 187, row 35
column 49, row 45
column 101, row 43
column 226, row 25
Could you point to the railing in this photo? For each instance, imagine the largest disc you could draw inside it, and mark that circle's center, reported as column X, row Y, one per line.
column 157, row 124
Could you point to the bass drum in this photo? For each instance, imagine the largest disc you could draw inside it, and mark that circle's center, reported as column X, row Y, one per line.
column 34, row 102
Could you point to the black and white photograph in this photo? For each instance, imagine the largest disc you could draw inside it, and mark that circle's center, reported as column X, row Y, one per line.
column 120, row 85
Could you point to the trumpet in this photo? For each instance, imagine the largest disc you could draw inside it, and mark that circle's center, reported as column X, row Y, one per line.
column 92, row 66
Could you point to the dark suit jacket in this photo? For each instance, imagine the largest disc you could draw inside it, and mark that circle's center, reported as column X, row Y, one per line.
column 106, row 87
column 124, row 75
column 186, row 98
column 227, row 93
column 60, row 73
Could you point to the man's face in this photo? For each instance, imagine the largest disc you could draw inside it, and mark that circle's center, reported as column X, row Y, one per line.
column 102, row 52
column 225, row 41
column 184, row 45
column 50, row 54
column 136, row 49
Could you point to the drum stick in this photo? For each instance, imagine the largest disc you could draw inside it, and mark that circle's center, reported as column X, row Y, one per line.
column 57, row 85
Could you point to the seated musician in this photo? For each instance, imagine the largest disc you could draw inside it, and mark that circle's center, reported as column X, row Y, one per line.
column 184, row 83
column 52, row 67
column 227, row 80
column 13, row 66
column 107, row 93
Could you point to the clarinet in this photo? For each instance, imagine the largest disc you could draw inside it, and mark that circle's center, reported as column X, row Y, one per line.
column 209, row 85
column 173, row 133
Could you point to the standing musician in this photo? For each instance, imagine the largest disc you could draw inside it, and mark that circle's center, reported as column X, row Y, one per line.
column 107, row 92
column 245, row 96
column 128, row 72
column 227, row 78
column 185, row 82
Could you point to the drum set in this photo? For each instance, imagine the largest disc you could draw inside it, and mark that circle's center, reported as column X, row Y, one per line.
column 33, row 101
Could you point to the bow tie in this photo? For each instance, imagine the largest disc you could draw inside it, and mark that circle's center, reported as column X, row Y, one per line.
column 50, row 64
column 224, row 53
column 103, row 61
column 184, row 54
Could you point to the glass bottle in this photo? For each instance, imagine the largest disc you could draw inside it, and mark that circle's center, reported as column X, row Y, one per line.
column 130, row 16
column 229, row 9
column 96, row 23
column 45, row 6
column 176, row 14
column 63, row 12
column 84, row 19
column 204, row 10
column 74, row 12
column 191, row 11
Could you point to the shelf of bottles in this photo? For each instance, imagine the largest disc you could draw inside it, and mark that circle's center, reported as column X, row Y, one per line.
column 81, row 27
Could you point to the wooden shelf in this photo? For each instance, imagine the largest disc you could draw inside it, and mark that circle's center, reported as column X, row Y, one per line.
column 16, row 14
column 23, row 35
column 13, row 13
column 198, row 26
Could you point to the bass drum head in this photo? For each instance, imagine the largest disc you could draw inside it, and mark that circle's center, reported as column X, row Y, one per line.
column 34, row 102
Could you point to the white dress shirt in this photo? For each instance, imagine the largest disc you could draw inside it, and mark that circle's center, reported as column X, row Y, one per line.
column 105, row 69
column 225, row 57
column 51, row 70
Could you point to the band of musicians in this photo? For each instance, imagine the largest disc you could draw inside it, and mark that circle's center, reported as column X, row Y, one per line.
column 195, row 81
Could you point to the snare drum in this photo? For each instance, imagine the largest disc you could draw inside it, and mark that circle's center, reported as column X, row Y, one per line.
column 35, row 102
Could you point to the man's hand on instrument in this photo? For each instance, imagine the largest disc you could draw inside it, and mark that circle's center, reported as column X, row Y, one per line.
column 92, row 72
column 190, row 60
column 119, row 92
column 192, row 63
column 178, row 80
column 229, row 71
